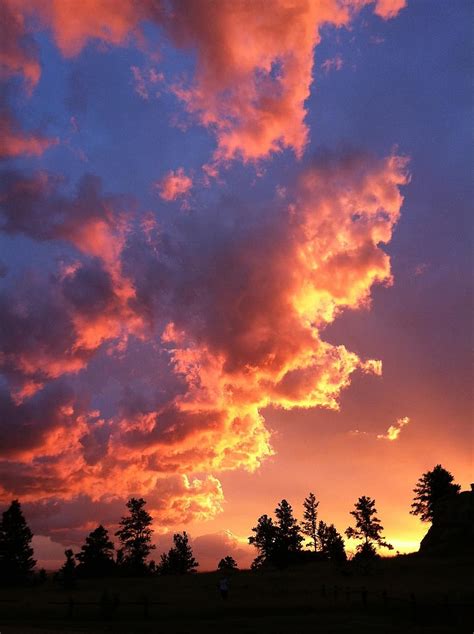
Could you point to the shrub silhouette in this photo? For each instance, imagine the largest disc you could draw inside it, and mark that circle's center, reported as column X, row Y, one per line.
column 227, row 564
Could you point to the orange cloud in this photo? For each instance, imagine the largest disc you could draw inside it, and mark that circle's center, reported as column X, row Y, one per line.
column 275, row 355
column 393, row 432
column 174, row 184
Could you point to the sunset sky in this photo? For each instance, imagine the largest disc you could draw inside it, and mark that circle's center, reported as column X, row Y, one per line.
column 235, row 262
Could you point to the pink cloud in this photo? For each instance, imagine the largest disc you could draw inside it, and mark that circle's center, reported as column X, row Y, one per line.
column 18, row 55
column 333, row 63
column 174, row 184
column 15, row 142
column 110, row 21
column 387, row 9
column 209, row 549
column 250, row 91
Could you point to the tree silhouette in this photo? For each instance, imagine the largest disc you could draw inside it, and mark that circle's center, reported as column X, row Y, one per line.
column 288, row 535
column 276, row 542
column 227, row 564
column 368, row 527
column 309, row 525
column 430, row 488
column 96, row 558
column 16, row 553
column 179, row 560
column 331, row 543
column 135, row 536
column 263, row 540
column 68, row 570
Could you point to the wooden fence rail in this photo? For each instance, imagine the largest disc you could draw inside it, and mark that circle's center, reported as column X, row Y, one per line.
column 414, row 608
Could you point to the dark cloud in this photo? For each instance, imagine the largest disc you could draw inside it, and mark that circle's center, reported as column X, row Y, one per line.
column 34, row 205
column 25, row 426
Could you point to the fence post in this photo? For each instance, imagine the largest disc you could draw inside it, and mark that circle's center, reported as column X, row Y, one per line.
column 105, row 604
column 447, row 609
column 70, row 608
column 145, row 607
column 364, row 596
column 116, row 602
column 385, row 600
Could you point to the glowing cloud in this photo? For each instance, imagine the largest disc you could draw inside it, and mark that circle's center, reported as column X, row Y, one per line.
column 194, row 336
column 393, row 432
column 237, row 341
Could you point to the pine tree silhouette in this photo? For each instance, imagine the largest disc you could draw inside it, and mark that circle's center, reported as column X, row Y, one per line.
column 433, row 486
column 68, row 571
column 263, row 540
column 135, row 537
column 16, row 553
column 368, row 528
column 310, row 519
column 278, row 542
column 331, row 543
column 96, row 558
column 289, row 536
column 179, row 559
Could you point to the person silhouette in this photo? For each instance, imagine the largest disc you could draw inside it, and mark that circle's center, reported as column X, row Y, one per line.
column 224, row 587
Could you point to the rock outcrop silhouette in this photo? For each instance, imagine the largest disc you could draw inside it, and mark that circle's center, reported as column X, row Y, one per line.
column 452, row 530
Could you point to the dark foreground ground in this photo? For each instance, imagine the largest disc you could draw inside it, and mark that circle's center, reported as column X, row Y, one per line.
column 405, row 594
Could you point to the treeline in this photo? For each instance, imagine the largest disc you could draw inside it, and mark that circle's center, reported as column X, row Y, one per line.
column 97, row 557
column 279, row 541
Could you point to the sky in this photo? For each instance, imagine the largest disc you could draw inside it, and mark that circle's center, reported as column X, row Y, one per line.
column 235, row 262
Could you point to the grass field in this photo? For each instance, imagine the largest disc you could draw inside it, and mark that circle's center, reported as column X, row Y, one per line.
column 404, row 594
